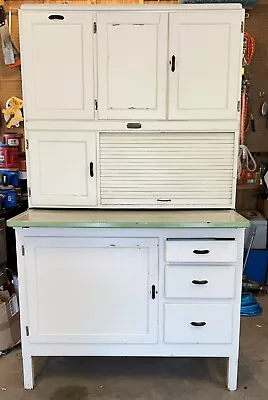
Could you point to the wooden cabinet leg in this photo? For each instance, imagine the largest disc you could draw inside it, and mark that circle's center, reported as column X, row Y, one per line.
column 28, row 372
column 232, row 373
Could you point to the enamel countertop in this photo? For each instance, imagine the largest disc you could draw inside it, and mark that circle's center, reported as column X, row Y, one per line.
column 129, row 219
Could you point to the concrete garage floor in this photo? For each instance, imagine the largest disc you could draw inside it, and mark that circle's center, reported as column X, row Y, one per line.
column 146, row 378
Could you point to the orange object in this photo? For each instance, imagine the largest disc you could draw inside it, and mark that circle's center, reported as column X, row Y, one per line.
column 16, row 64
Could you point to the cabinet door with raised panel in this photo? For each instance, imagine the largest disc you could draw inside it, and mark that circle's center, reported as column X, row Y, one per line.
column 205, row 51
column 92, row 290
column 57, row 64
column 132, row 60
column 62, row 168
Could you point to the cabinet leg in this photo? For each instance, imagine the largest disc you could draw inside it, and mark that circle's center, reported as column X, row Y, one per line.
column 28, row 373
column 232, row 373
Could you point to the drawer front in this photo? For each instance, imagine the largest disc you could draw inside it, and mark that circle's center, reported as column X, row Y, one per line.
column 201, row 251
column 198, row 323
column 199, row 281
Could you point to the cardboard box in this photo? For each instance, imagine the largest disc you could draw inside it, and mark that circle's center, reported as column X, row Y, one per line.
column 9, row 321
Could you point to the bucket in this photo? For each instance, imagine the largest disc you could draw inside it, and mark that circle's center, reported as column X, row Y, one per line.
column 9, row 197
column 9, row 157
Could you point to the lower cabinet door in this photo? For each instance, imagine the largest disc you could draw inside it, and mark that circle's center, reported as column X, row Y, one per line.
column 92, row 290
column 62, row 169
column 198, row 323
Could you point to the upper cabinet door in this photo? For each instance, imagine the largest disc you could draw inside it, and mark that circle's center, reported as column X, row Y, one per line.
column 132, row 65
column 205, row 51
column 57, row 64
column 62, row 169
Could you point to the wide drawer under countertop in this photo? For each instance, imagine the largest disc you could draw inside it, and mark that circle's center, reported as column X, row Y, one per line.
column 198, row 323
column 212, row 250
column 191, row 281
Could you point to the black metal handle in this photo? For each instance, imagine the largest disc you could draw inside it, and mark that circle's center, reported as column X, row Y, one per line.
column 56, row 16
column 2, row 16
column 173, row 63
column 200, row 251
column 164, row 200
column 133, row 125
column 91, row 169
column 196, row 282
column 198, row 323
column 153, row 292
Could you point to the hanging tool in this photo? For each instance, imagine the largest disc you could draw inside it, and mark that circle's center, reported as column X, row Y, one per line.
column 10, row 50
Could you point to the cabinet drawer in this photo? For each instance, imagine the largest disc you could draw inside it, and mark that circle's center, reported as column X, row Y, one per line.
column 203, row 250
column 199, row 281
column 198, row 323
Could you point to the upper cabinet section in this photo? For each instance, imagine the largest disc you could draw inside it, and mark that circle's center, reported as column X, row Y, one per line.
column 205, row 64
column 132, row 65
column 57, row 64
column 181, row 63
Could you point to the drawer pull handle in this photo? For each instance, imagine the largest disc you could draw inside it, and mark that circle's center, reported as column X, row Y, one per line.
column 134, row 125
column 195, row 282
column 198, row 323
column 173, row 63
column 153, row 292
column 201, row 251
column 56, row 16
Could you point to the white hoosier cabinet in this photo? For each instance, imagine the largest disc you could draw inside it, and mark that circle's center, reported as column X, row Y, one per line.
column 132, row 106
column 130, row 283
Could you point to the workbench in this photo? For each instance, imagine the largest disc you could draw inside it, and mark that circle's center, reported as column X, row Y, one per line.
column 130, row 283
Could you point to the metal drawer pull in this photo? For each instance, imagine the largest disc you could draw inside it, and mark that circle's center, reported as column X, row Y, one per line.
column 56, row 16
column 198, row 323
column 200, row 251
column 173, row 63
column 195, row 282
column 134, row 125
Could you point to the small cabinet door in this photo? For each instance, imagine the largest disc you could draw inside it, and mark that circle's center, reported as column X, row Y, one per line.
column 92, row 290
column 62, row 168
column 132, row 65
column 57, row 64
column 205, row 54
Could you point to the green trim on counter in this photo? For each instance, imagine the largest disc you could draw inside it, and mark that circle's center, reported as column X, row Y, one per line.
column 128, row 219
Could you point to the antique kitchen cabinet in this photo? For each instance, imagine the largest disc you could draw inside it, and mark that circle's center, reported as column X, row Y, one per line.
column 132, row 106
column 130, row 283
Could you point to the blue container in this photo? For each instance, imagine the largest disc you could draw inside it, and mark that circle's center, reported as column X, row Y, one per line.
column 256, row 267
column 9, row 178
column 9, row 198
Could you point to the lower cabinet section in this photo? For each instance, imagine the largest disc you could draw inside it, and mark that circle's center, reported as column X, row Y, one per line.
column 198, row 323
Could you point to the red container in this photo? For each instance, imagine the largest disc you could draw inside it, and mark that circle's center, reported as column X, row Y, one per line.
column 14, row 140
column 9, row 157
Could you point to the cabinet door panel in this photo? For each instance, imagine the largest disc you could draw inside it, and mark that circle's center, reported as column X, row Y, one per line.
column 132, row 51
column 57, row 65
column 109, row 300
column 62, row 168
column 205, row 78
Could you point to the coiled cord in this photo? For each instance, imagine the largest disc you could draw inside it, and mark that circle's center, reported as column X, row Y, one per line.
column 249, row 306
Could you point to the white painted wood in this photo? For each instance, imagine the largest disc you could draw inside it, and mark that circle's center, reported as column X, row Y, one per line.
column 60, row 168
column 232, row 373
column 201, row 251
column 132, row 59
column 207, row 51
column 57, row 60
column 109, row 284
column 165, row 169
column 216, row 317
column 69, row 278
column 199, row 281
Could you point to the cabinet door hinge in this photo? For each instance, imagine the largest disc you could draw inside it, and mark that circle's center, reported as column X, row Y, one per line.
column 94, row 27
column 27, row 330
column 238, row 106
column 29, row 192
column 22, row 250
column 242, row 27
column 27, row 144
column 96, row 104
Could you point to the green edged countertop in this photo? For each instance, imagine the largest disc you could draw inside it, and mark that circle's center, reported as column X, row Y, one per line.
column 129, row 219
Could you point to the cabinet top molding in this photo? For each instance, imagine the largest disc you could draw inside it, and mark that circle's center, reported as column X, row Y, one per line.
column 128, row 219
column 145, row 7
